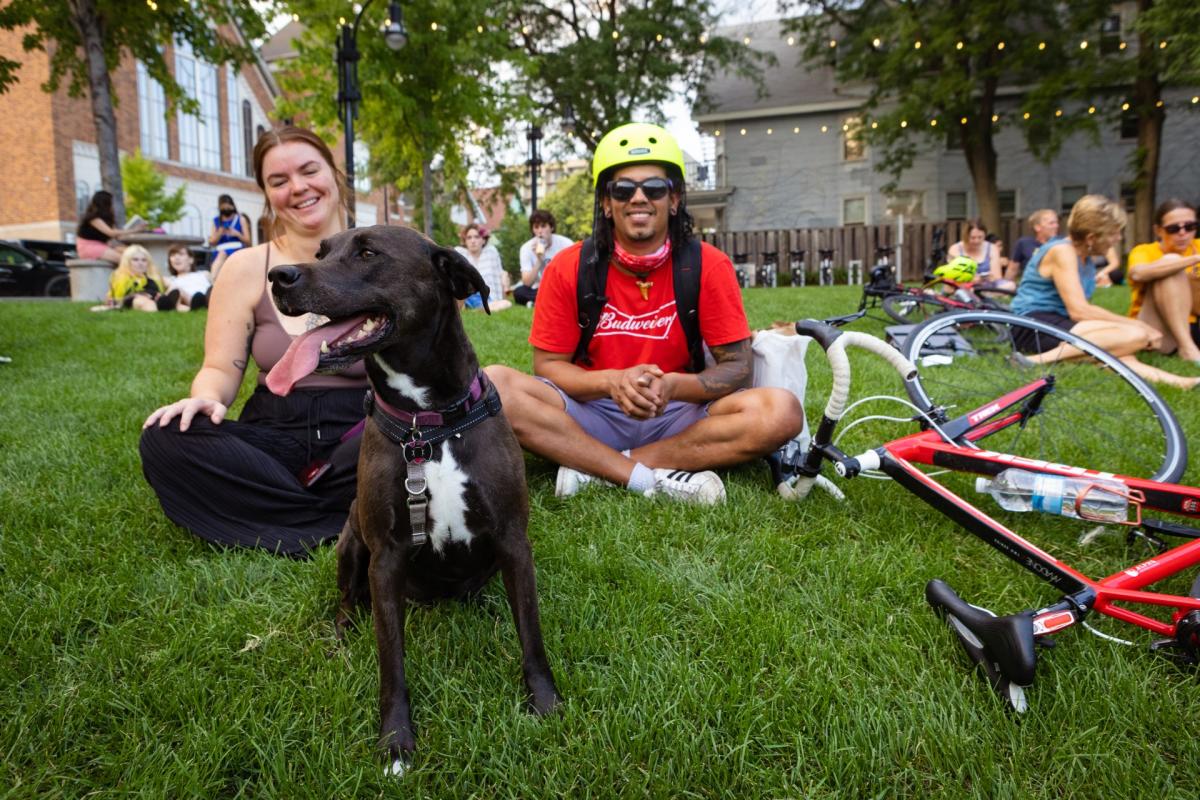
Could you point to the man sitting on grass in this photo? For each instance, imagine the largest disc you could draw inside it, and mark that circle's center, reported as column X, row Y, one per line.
column 627, row 412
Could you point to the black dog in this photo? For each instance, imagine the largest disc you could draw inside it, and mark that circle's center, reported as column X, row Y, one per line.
column 442, row 502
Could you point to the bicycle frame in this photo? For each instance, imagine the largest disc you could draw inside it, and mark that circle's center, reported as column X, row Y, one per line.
column 957, row 444
column 898, row 459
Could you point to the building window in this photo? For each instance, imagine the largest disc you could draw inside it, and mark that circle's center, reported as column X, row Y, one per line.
column 199, row 137
column 1110, row 35
column 1071, row 195
column 248, row 136
column 237, row 149
column 956, row 205
column 853, row 146
column 854, row 211
column 1128, row 196
column 152, row 113
column 189, row 126
column 1129, row 124
column 210, row 116
column 83, row 196
column 1007, row 200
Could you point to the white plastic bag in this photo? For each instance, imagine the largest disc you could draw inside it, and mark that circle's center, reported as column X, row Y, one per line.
column 779, row 361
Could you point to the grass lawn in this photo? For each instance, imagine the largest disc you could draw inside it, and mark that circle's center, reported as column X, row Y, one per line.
column 757, row 650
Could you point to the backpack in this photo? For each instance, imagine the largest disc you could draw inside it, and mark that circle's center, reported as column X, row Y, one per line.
column 590, row 299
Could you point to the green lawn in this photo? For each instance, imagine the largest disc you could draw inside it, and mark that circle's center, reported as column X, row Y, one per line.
column 756, row 650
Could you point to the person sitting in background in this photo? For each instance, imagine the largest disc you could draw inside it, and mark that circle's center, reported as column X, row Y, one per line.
column 136, row 283
column 485, row 258
column 97, row 231
column 1044, row 222
column 193, row 286
column 230, row 232
column 975, row 246
column 1057, row 287
column 536, row 254
column 1164, row 279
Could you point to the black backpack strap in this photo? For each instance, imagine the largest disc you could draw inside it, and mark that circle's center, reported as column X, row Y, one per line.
column 687, row 300
column 589, row 298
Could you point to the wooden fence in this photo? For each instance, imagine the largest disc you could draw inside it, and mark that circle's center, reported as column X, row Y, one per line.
column 848, row 243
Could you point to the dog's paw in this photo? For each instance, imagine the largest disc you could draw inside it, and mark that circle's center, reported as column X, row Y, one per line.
column 545, row 701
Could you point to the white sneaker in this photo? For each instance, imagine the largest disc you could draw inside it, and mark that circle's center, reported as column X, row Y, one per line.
column 570, row 481
column 704, row 488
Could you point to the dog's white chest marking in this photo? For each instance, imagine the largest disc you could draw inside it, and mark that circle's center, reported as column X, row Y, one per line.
column 447, row 501
column 403, row 384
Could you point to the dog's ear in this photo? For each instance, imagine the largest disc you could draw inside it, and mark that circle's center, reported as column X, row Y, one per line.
column 459, row 275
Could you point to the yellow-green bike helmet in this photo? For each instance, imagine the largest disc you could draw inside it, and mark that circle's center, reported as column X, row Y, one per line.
column 636, row 143
column 960, row 269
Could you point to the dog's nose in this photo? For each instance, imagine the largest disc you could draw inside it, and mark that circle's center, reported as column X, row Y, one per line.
column 284, row 276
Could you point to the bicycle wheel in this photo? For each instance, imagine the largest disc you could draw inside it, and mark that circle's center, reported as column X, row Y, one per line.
column 911, row 309
column 1100, row 415
column 994, row 299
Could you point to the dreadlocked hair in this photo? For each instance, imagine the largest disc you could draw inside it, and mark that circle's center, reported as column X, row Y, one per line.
column 680, row 226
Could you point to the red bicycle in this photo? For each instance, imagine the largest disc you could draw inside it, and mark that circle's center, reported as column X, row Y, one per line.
column 1035, row 424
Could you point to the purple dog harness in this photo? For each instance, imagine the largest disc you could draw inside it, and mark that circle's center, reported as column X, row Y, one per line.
column 418, row 432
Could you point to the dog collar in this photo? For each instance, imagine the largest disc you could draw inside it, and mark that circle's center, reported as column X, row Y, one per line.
column 418, row 432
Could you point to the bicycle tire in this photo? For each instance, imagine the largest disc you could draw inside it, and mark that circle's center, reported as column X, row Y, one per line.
column 1100, row 415
column 912, row 309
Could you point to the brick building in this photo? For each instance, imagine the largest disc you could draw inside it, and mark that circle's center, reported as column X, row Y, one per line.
column 53, row 161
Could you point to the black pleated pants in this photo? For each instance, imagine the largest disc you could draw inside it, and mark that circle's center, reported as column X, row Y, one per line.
column 236, row 484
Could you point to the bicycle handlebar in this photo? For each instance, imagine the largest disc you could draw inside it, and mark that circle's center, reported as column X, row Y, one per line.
column 834, row 342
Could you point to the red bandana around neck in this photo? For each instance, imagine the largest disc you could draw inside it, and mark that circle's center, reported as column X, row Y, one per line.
column 642, row 264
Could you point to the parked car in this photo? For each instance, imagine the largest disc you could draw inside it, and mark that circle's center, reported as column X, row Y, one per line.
column 24, row 273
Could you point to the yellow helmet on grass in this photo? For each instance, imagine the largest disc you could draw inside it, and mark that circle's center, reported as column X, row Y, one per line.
column 636, row 143
column 959, row 269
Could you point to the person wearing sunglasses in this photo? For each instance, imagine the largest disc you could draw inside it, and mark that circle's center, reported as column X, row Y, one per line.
column 626, row 401
column 1164, row 278
column 536, row 253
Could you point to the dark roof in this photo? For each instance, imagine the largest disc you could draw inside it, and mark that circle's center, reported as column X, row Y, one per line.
column 788, row 83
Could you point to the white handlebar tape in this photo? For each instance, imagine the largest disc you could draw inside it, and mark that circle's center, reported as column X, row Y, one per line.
column 840, row 364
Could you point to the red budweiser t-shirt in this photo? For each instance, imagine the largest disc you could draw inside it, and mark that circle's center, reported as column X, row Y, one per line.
column 633, row 330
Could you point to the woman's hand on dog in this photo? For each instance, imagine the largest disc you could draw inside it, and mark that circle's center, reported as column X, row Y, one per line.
column 186, row 410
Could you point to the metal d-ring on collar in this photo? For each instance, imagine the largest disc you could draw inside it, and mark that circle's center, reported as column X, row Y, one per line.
column 418, row 432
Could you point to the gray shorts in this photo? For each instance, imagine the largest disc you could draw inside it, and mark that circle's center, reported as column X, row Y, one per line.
column 604, row 420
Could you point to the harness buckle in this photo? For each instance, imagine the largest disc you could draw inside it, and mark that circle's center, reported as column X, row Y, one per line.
column 417, row 450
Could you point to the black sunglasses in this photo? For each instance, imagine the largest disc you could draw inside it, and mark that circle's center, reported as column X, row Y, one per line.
column 1181, row 226
column 623, row 189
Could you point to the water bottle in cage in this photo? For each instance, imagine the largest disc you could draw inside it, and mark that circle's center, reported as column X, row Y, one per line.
column 1101, row 500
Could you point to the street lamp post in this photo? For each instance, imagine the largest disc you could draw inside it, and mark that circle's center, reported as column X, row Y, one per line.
column 534, row 135
column 348, row 97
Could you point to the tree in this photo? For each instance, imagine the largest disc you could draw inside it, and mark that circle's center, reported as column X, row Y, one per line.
column 1153, row 66
column 935, row 69
column 612, row 63
column 421, row 105
column 572, row 203
column 87, row 40
column 145, row 192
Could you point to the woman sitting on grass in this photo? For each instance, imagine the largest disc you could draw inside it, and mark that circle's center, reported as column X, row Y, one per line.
column 1164, row 279
column 485, row 258
column 1057, row 285
column 282, row 475
column 193, row 287
column 136, row 283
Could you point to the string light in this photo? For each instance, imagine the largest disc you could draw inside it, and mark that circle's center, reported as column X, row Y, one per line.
column 341, row 20
column 903, row 123
column 1083, row 45
column 743, row 131
column 995, row 117
column 770, row 131
column 833, row 42
column 1122, row 46
column 958, row 46
column 745, row 40
column 917, row 44
column 295, row 17
column 876, row 42
column 616, row 35
column 1124, row 106
column 1091, row 109
column 716, row 133
column 933, row 123
column 791, row 41
column 845, row 127
column 658, row 37
column 874, row 125
column 1025, row 115
column 1058, row 113
column 824, row 129
column 703, row 38
column 525, row 29
column 1159, row 104
column 1000, row 46
column 1196, row 100
column 1162, row 45
column 479, row 29
column 433, row 26
column 963, row 120
column 1041, row 45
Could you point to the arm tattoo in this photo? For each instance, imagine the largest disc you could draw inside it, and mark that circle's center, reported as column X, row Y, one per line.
column 241, row 363
column 732, row 370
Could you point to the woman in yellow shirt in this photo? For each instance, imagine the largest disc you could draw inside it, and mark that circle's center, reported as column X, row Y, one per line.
column 1165, row 279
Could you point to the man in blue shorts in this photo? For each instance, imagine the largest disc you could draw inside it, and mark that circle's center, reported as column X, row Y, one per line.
column 627, row 412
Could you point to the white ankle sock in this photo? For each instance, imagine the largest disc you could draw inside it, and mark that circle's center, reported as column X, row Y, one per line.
column 641, row 480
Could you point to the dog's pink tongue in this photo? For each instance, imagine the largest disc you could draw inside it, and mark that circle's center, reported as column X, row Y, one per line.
column 305, row 352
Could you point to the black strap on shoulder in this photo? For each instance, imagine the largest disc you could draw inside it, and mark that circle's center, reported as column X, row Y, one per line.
column 590, row 299
column 687, row 300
